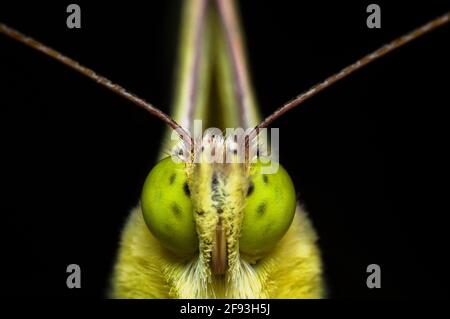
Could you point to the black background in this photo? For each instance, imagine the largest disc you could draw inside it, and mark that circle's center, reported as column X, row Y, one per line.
column 366, row 155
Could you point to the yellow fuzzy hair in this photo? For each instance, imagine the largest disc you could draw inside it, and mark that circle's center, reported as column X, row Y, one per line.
column 145, row 269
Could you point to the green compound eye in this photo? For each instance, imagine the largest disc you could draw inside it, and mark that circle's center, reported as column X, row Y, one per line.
column 167, row 207
column 268, row 212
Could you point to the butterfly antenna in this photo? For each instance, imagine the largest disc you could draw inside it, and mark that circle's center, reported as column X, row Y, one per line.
column 97, row 78
column 437, row 22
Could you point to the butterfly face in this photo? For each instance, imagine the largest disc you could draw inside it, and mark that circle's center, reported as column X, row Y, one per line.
column 220, row 212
